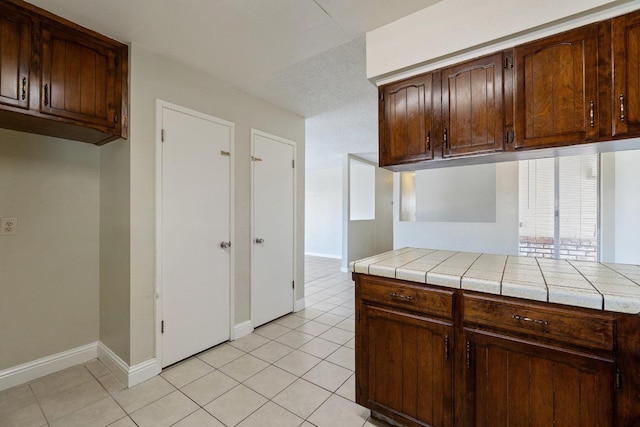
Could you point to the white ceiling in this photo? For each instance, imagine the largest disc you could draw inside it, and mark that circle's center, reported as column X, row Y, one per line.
column 307, row 56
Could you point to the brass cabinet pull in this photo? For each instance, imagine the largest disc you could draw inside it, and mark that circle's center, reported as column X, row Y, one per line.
column 622, row 107
column 428, row 140
column 46, row 95
column 468, row 354
column 592, row 122
column 446, row 144
column 446, row 347
column 400, row 296
column 24, row 88
column 528, row 319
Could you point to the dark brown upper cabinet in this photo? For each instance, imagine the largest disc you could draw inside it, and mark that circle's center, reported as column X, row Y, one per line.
column 78, row 77
column 406, row 121
column 556, row 89
column 15, row 56
column 60, row 79
column 473, row 106
column 626, row 75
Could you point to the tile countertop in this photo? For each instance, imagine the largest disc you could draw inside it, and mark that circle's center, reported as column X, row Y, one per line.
column 602, row 286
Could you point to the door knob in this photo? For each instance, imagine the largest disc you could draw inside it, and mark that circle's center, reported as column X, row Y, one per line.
column 259, row 240
column 225, row 245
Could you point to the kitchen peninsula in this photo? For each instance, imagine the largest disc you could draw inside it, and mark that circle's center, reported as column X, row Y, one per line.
column 448, row 338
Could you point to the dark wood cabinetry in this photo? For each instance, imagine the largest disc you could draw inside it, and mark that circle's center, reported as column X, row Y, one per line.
column 576, row 87
column 556, row 89
column 511, row 383
column 431, row 356
column 15, row 56
column 60, row 79
column 405, row 353
column 473, row 107
column 626, row 75
column 406, row 121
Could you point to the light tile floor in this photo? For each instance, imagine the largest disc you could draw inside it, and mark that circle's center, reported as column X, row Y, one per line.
column 295, row 371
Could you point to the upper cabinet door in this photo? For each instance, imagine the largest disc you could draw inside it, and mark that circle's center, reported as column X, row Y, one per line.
column 626, row 74
column 15, row 54
column 406, row 120
column 473, row 107
column 79, row 76
column 556, row 89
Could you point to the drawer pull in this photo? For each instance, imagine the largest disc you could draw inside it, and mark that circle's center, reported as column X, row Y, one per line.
column 400, row 296
column 528, row 319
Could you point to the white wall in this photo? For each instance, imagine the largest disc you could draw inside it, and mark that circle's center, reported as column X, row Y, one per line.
column 323, row 210
column 368, row 237
column 49, row 272
column 156, row 77
column 434, row 35
column 627, row 207
column 499, row 237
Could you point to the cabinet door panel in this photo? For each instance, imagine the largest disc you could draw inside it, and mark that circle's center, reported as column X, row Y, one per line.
column 406, row 121
column 473, row 107
column 15, row 45
column 626, row 66
column 407, row 365
column 78, row 78
column 556, row 89
column 519, row 384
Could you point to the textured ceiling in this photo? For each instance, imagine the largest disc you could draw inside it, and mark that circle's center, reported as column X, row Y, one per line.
column 307, row 56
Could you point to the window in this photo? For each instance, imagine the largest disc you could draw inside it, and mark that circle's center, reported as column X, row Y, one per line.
column 559, row 205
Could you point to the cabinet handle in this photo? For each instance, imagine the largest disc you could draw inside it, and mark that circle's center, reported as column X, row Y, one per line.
column 468, row 354
column 400, row 296
column 24, row 88
column 446, row 347
column 428, row 140
column 622, row 107
column 592, row 122
column 115, row 119
column 528, row 319
column 46, row 94
column 446, row 144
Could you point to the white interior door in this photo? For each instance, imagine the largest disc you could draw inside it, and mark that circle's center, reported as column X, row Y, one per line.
column 195, row 220
column 272, row 272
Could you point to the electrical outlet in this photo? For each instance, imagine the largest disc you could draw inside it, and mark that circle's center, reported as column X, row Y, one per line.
column 8, row 226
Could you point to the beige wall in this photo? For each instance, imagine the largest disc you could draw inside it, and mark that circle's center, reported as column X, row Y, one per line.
column 115, row 248
column 156, row 77
column 49, row 272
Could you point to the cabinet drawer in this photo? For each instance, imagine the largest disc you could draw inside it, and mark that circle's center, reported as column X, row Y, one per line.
column 566, row 326
column 415, row 298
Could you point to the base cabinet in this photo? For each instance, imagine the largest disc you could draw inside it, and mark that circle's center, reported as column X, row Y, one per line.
column 432, row 356
column 512, row 383
column 408, row 366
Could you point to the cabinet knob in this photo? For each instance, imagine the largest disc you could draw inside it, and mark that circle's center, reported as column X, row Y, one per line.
column 225, row 245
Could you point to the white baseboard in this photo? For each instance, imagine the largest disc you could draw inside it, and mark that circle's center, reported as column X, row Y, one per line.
column 128, row 375
column 242, row 329
column 299, row 305
column 47, row 365
column 333, row 256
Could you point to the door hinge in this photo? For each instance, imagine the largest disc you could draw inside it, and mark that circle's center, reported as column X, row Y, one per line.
column 225, row 153
column 508, row 62
column 509, row 136
column 162, row 327
column 293, row 284
column 162, row 135
column 293, row 164
column 618, row 379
